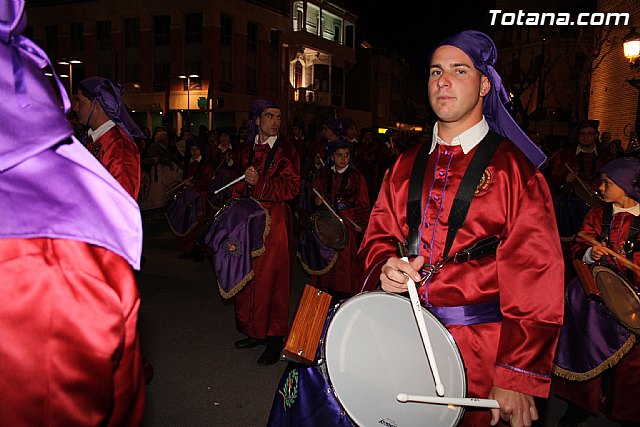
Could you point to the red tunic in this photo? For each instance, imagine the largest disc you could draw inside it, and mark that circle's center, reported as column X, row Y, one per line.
column 525, row 275
column 85, row 299
column 120, row 156
column 620, row 384
column 345, row 275
column 262, row 307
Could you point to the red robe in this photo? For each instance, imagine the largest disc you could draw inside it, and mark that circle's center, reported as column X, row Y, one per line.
column 85, row 299
column 262, row 307
column 120, row 156
column 525, row 275
column 346, row 275
column 620, row 384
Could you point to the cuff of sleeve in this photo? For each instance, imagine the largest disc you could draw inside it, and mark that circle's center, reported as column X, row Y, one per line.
column 512, row 378
column 586, row 258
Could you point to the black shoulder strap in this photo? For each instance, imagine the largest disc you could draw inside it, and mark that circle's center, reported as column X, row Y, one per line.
column 270, row 156
column 470, row 181
column 464, row 196
column 607, row 217
column 414, row 202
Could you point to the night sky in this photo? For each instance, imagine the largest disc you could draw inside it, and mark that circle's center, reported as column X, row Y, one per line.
column 412, row 28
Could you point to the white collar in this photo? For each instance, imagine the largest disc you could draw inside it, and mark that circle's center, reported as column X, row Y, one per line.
column 197, row 159
column 582, row 150
column 467, row 139
column 271, row 140
column 633, row 210
column 339, row 170
column 104, row 128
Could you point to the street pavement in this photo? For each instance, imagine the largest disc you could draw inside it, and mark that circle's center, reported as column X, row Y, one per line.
column 187, row 332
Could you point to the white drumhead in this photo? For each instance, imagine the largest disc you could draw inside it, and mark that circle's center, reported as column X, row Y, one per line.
column 373, row 351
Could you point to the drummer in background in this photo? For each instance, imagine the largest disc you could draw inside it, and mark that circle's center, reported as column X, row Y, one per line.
column 344, row 189
column 272, row 176
column 614, row 391
column 505, row 309
column 570, row 204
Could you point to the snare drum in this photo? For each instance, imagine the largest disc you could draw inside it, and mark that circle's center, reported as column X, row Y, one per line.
column 331, row 230
column 619, row 296
column 372, row 351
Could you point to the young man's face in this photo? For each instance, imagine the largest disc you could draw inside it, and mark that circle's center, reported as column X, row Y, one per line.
column 269, row 122
column 456, row 87
column 587, row 137
column 341, row 157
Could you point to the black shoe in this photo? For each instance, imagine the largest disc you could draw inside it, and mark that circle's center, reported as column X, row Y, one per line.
column 271, row 354
column 248, row 342
column 573, row 417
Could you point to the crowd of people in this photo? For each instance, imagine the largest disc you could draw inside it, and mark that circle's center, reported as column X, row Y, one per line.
column 352, row 195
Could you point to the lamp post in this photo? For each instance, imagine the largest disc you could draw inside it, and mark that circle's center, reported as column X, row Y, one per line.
column 188, row 77
column 70, row 64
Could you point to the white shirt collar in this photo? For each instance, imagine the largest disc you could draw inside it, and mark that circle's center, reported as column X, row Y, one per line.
column 271, row 140
column 633, row 210
column 339, row 170
column 197, row 159
column 582, row 150
column 95, row 134
column 467, row 139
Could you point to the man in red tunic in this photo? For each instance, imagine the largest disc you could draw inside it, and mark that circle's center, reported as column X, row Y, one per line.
column 344, row 189
column 272, row 177
column 69, row 237
column 100, row 107
column 503, row 309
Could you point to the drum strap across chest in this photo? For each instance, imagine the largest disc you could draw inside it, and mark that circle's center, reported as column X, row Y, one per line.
column 343, row 186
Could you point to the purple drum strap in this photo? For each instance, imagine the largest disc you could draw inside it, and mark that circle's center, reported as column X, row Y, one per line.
column 486, row 312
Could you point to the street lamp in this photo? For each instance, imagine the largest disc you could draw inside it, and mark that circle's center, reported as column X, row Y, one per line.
column 70, row 64
column 188, row 77
column 631, row 45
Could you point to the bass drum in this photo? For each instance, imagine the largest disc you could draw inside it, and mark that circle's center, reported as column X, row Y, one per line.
column 373, row 351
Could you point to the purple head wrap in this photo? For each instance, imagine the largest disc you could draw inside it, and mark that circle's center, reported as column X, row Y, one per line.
column 258, row 106
column 625, row 172
column 51, row 185
column 30, row 115
column 109, row 94
column 337, row 126
column 482, row 51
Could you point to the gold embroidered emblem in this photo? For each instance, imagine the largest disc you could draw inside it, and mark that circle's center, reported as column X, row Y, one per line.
column 485, row 182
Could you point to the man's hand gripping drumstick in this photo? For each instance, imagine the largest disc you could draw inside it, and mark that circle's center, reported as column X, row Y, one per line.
column 404, row 274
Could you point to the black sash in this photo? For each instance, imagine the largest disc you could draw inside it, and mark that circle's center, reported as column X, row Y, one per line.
column 486, row 148
column 343, row 186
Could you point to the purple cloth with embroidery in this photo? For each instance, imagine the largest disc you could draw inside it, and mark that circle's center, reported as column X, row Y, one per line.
column 183, row 210
column 236, row 236
column 304, row 396
column 109, row 94
column 589, row 335
column 51, row 186
column 314, row 255
column 482, row 51
column 257, row 107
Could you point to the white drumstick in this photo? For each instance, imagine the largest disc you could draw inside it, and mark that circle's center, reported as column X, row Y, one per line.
column 417, row 311
column 235, row 181
column 326, row 204
column 457, row 401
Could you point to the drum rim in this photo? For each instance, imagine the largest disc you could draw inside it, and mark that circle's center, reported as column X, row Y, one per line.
column 345, row 231
column 599, row 268
column 340, row 305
